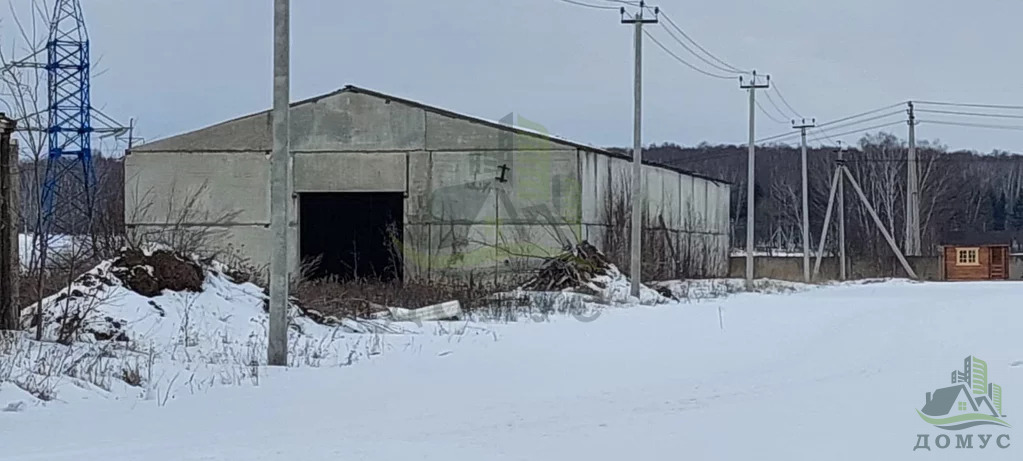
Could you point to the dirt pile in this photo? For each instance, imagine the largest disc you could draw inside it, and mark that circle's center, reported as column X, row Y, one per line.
column 571, row 270
column 149, row 273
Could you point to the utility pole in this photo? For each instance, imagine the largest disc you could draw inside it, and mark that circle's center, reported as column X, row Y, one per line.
column 912, row 191
column 752, row 87
column 802, row 127
column 280, row 195
column 636, row 262
column 842, row 174
column 9, row 227
column 131, row 134
column 841, row 215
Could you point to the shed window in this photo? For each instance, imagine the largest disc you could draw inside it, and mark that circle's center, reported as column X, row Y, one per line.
column 967, row 256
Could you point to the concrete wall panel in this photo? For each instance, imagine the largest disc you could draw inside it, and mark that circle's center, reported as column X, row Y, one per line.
column 350, row 172
column 685, row 189
column 590, row 185
column 542, row 187
column 356, row 122
column 416, row 251
column 699, row 206
column 420, row 172
column 462, row 188
column 457, row 249
column 217, row 188
column 672, row 199
column 712, row 209
column 251, row 133
column 653, row 198
column 522, row 247
column 453, row 133
column 594, row 234
column 597, row 183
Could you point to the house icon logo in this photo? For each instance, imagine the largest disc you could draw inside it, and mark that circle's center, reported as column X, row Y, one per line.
column 971, row 400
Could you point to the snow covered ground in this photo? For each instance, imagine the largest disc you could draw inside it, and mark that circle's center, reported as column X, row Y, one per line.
column 836, row 372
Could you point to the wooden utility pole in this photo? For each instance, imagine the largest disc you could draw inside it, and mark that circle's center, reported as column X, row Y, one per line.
column 10, row 266
column 280, row 190
column 636, row 262
column 752, row 87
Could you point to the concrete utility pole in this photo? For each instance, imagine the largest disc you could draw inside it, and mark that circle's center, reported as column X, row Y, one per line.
column 841, row 174
column 912, row 191
column 841, row 216
column 280, row 193
column 9, row 262
column 802, row 127
column 752, row 87
column 636, row 262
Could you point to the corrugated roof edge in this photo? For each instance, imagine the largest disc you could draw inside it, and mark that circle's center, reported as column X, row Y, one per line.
column 448, row 113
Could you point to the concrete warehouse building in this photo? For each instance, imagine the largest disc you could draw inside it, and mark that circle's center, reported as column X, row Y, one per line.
column 391, row 188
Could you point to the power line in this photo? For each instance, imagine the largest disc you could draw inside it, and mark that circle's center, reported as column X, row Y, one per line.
column 975, row 125
column 698, row 56
column 697, row 45
column 875, row 127
column 590, row 5
column 784, row 101
column 979, row 106
column 817, row 138
column 826, row 135
column 858, row 130
column 771, row 100
column 683, row 61
column 768, row 114
column 868, row 119
column 832, row 122
column 849, row 122
column 970, row 114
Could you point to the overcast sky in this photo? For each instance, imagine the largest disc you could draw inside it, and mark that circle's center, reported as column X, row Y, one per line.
column 178, row 65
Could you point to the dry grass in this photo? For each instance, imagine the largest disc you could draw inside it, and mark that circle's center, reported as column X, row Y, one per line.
column 361, row 298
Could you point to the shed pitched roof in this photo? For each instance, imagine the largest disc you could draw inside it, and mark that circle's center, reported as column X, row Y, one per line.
column 254, row 129
column 979, row 238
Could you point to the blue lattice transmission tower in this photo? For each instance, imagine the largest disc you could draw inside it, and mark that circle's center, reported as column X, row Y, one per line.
column 67, row 194
column 69, row 186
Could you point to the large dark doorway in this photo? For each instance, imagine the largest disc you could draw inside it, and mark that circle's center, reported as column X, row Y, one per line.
column 354, row 235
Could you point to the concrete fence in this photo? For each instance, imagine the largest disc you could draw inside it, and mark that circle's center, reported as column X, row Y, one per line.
column 791, row 268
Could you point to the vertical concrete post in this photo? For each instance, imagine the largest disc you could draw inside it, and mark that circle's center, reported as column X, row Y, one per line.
column 912, row 191
column 636, row 242
column 280, row 193
column 10, row 265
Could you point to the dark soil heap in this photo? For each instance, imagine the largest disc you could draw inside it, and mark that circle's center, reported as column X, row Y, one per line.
column 570, row 270
column 149, row 275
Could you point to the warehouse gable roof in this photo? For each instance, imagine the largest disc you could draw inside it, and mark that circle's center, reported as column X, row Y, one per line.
column 252, row 132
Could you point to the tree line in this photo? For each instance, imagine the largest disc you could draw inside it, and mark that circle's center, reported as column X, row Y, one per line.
column 960, row 190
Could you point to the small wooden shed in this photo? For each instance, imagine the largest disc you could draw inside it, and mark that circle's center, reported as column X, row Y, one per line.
column 977, row 255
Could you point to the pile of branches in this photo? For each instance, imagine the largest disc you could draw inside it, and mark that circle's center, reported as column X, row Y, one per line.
column 573, row 269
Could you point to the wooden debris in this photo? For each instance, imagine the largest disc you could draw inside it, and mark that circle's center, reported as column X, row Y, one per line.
column 570, row 270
